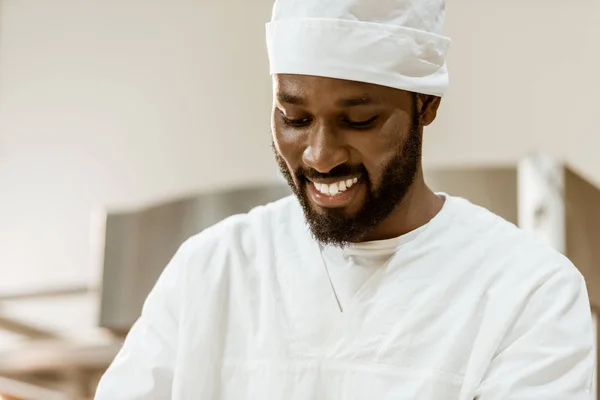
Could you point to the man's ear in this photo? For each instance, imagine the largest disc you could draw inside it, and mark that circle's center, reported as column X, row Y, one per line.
column 427, row 106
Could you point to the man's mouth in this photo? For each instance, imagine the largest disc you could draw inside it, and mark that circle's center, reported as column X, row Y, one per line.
column 335, row 194
column 332, row 189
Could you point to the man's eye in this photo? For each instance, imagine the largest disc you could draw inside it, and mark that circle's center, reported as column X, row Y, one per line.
column 361, row 124
column 296, row 122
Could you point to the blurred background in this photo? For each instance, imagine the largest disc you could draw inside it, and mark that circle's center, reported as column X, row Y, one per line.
column 127, row 126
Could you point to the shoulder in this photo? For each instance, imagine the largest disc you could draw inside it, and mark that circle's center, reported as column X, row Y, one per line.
column 513, row 275
column 243, row 233
column 506, row 250
column 237, row 253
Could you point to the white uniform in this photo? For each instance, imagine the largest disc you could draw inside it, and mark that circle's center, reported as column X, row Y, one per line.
column 466, row 307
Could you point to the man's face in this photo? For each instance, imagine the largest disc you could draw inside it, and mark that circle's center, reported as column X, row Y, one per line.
column 350, row 151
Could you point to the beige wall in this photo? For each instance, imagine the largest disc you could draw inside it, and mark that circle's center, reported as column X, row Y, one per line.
column 523, row 78
column 132, row 101
column 116, row 103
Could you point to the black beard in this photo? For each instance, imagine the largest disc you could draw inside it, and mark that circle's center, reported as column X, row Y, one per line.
column 334, row 226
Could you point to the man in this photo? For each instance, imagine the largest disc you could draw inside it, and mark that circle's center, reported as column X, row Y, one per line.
column 394, row 292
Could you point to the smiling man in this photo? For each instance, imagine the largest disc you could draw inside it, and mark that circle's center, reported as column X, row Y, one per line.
column 365, row 284
column 355, row 152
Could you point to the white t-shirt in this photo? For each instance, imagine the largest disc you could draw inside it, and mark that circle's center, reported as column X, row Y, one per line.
column 468, row 307
column 351, row 267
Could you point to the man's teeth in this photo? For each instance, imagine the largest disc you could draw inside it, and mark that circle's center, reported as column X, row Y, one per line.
column 335, row 188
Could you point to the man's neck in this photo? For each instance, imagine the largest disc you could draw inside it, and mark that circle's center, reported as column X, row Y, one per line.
column 417, row 208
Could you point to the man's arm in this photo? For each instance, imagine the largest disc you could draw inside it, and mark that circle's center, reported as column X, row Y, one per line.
column 143, row 369
column 549, row 352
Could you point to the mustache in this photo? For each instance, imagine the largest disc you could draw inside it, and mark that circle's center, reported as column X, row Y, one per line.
column 340, row 171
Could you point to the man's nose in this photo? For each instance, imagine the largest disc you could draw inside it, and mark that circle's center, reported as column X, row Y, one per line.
column 325, row 149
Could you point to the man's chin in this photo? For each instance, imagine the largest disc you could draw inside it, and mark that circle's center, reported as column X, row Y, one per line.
column 332, row 237
column 346, row 214
column 332, row 226
column 336, row 226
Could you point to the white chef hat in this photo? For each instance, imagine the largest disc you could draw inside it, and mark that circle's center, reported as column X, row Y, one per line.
column 395, row 43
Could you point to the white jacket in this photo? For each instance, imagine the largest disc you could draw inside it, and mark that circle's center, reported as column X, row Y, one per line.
column 471, row 308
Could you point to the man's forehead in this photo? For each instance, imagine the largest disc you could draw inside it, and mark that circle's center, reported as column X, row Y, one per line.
column 295, row 89
column 307, row 82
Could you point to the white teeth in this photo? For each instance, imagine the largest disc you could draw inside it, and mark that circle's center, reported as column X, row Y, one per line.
column 335, row 188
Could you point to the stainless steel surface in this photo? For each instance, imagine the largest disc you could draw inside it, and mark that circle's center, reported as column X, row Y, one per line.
column 46, row 293
column 21, row 328
column 494, row 188
column 43, row 356
column 24, row 390
column 583, row 230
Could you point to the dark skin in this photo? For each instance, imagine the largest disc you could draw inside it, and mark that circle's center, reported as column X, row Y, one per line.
column 321, row 123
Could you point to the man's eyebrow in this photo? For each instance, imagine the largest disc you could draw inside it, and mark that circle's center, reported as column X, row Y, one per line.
column 356, row 101
column 362, row 100
column 289, row 99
